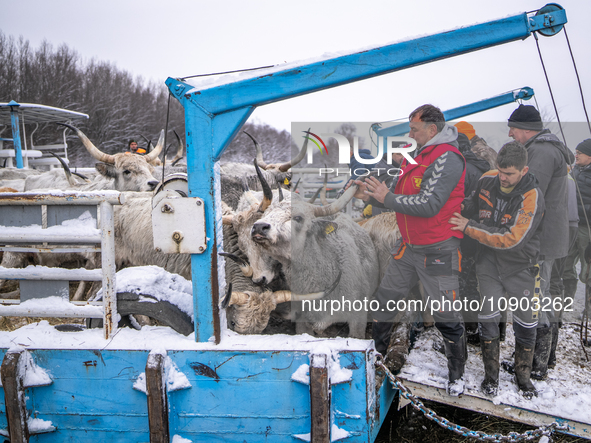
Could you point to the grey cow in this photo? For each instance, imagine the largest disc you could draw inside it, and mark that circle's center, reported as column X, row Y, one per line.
column 315, row 245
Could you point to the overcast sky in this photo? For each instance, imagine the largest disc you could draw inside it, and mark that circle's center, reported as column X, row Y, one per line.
column 157, row 39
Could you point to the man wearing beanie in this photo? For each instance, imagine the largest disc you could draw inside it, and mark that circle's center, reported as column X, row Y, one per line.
column 547, row 160
column 478, row 145
column 582, row 175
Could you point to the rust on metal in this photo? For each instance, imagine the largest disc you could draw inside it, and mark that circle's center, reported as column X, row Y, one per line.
column 157, row 399
column 215, row 295
column 14, row 397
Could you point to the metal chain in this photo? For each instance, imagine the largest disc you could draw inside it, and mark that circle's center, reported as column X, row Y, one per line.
column 461, row 430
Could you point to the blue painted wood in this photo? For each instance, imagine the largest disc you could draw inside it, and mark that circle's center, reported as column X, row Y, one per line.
column 235, row 396
column 16, row 133
column 200, row 171
column 461, row 111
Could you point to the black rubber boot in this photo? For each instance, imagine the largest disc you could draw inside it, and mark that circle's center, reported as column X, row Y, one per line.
column 490, row 357
column 456, row 353
column 539, row 369
column 380, row 332
column 554, row 343
column 502, row 329
column 398, row 347
column 523, row 364
column 472, row 336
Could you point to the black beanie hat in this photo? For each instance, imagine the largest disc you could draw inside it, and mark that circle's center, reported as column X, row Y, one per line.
column 585, row 147
column 464, row 143
column 526, row 117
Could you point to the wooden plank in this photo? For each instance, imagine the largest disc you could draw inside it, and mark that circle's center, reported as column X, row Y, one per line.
column 485, row 406
column 14, row 397
column 157, row 399
column 319, row 399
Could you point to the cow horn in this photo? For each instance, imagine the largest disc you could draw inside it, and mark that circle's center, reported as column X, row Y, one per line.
column 295, row 188
column 157, row 150
column 234, row 298
column 323, row 189
column 239, row 298
column 67, row 171
column 285, row 166
column 267, row 193
column 244, row 266
column 259, row 152
column 337, row 205
column 92, row 150
column 280, row 193
column 285, row 296
column 315, row 196
column 227, row 219
column 180, row 152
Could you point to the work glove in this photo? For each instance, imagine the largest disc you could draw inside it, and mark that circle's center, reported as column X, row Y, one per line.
column 367, row 211
column 588, row 253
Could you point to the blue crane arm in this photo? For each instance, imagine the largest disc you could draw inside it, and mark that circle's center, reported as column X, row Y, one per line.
column 280, row 85
column 213, row 116
column 489, row 103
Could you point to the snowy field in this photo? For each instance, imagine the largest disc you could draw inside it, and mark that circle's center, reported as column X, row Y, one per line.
column 566, row 393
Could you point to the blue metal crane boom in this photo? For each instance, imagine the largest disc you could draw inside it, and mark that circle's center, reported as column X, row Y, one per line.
column 524, row 93
column 214, row 116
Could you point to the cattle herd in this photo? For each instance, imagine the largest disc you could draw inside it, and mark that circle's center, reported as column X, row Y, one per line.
column 282, row 253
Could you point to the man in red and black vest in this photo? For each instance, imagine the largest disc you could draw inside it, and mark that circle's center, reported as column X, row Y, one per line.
column 425, row 197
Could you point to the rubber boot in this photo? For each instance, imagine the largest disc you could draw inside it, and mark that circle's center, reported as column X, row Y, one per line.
column 490, row 357
column 456, row 353
column 503, row 329
column 472, row 336
column 552, row 357
column 503, row 326
column 398, row 347
column 380, row 333
column 523, row 364
column 542, row 353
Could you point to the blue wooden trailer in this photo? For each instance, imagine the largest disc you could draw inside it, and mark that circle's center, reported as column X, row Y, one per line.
column 161, row 386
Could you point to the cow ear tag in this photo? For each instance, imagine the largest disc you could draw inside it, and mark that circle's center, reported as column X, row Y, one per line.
column 286, row 181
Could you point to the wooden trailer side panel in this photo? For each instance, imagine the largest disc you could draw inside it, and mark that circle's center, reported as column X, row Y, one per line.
column 234, row 396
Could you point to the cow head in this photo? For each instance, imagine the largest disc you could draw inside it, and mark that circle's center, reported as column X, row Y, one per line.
column 252, row 207
column 130, row 172
column 286, row 227
column 248, row 312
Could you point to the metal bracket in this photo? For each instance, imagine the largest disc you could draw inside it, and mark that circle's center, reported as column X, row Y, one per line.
column 549, row 20
column 178, row 224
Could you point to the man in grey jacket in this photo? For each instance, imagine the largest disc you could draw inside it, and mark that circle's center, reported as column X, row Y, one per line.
column 547, row 160
column 426, row 195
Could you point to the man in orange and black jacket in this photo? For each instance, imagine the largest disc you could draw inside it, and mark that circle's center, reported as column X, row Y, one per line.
column 505, row 215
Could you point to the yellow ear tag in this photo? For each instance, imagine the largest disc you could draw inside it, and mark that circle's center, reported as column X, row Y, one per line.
column 329, row 229
column 286, row 181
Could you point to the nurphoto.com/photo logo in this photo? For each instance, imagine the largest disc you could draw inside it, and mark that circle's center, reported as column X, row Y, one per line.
column 393, row 145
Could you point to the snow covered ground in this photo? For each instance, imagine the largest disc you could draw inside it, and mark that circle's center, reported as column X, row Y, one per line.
column 566, row 393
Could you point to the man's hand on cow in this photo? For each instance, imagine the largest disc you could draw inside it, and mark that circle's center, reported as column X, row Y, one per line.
column 459, row 222
column 360, row 193
column 376, row 189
